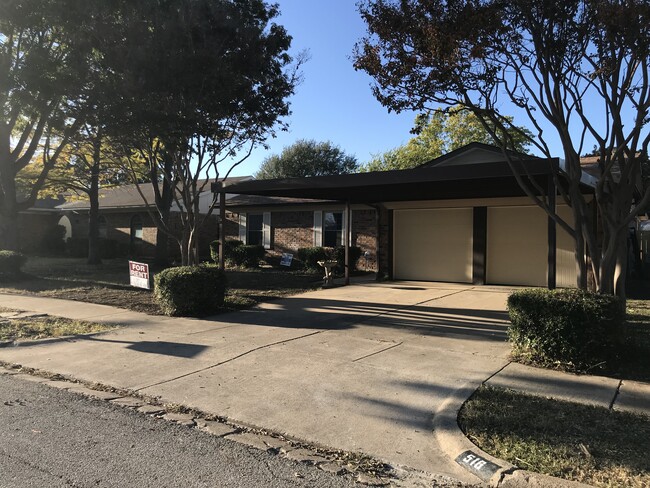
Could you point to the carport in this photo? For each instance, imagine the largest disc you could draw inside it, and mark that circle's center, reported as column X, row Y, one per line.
column 467, row 207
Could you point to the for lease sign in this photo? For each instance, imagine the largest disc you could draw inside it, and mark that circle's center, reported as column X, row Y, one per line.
column 139, row 274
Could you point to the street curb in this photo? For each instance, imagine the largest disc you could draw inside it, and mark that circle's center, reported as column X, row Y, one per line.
column 294, row 449
column 493, row 471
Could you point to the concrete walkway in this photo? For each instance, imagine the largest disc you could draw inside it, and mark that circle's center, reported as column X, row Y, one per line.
column 621, row 395
column 360, row 368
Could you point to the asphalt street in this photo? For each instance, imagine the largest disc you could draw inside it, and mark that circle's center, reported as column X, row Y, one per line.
column 54, row 438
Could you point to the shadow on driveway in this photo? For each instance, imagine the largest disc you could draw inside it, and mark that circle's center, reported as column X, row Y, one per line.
column 328, row 314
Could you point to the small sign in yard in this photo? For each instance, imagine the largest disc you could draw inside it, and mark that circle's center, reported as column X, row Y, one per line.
column 286, row 259
column 478, row 465
column 139, row 275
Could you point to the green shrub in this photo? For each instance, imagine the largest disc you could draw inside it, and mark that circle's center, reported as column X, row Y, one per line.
column 108, row 248
column 11, row 264
column 575, row 328
column 310, row 256
column 229, row 246
column 191, row 291
column 77, row 247
column 53, row 241
column 246, row 256
column 355, row 254
column 111, row 249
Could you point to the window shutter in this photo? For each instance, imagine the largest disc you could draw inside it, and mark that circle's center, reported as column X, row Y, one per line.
column 242, row 227
column 318, row 228
column 266, row 230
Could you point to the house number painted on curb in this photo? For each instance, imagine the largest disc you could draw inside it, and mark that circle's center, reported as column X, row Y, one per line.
column 478, row 465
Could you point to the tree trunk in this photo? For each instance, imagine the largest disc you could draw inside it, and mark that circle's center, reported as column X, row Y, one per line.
column 9, row 228
column 8, row 206
column 94, row 257
column 185, row 248
column 164, row 210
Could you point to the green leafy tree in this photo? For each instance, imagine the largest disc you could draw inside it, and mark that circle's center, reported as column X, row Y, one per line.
column 577, row 68
column 88, row 164
column 307, row 158
column 45, row 59
column 437, row 134
column 207, row 81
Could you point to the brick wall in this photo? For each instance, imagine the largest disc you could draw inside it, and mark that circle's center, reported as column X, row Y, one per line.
column 32, row 228
column 291, row 230
column 384, row 242
column 364, row 232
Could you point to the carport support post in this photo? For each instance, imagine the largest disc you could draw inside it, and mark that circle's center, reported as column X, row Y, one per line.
column 222, row 228
column 552, row 236
column 346, row 241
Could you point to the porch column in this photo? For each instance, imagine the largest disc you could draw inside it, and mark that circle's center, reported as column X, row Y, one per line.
column 346, row 241
column 222, row 228
column 479, row 244
column 552, row 236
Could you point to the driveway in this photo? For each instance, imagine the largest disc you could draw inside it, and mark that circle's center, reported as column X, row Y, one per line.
column 359, row 368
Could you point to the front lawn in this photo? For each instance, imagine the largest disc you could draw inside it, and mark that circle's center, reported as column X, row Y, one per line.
column 592, row 445
column 15, row 326
column 108, row 284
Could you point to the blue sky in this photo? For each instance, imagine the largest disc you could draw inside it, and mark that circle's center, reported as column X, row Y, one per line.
column 334, row 102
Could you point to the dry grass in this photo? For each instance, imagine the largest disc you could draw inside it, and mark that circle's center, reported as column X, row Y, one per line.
column 592, row 445
column 32, row 328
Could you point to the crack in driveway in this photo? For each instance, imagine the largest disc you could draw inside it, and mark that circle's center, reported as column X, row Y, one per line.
column 250, row 351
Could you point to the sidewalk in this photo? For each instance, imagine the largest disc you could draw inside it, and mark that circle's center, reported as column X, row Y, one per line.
column 621, row 395
column 362, row 368
column 380, row 369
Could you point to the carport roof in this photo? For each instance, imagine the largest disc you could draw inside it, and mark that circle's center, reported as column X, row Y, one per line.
column 469, row 180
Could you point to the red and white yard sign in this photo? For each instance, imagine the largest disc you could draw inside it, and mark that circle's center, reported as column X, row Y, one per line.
column 139, row 274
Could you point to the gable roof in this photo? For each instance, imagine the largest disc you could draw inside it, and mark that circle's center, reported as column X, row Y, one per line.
column 475, row 153
column 128, row 197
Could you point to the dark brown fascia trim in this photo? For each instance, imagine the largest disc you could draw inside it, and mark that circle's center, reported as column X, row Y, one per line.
column 298, row 186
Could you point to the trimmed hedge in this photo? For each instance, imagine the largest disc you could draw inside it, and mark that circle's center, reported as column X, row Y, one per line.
column 53, row 241
column 191, row 291
column 310, row 256
column 576, row 328
column 108, row 248
column 237, row 254
column 355, row 254
column 11, row 264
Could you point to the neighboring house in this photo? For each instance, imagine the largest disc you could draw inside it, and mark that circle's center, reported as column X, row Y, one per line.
column 124, row 218
column 34, row 223
column 460, row 218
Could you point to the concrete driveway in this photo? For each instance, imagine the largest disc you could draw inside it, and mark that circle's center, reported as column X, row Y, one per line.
column 360, row 368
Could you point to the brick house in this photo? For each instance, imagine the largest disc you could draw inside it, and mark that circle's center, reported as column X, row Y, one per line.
column 460, row 218
column 124, row 218
column 284, row 225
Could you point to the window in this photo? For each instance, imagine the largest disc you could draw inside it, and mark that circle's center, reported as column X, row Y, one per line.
column 136, row 228
column 332, row 229
column 255, row 230
column 103, row 227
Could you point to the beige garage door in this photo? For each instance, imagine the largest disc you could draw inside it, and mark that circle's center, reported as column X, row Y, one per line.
column 517, row 247
column 433, row 244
